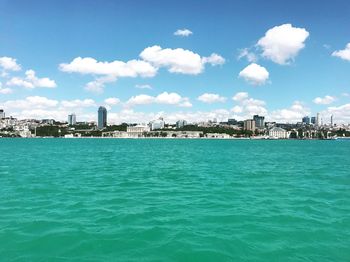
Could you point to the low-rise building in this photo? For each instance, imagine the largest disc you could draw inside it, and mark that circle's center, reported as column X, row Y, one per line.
column 277, row 132
column 137, row 131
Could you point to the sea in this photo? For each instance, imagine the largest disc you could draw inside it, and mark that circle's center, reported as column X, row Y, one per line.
column 174, row 200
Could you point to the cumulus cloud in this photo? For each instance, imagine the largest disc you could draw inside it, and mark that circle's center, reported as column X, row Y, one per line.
column 290, row 115
column 179, row 60
column 144, row 86
column 88, row 65
column 31, row 81
column 78, row 103
column 255, row 74
column 281, row 44
column 183, row 32
column 247, row 107
column 343, row 54
column 111, row 101
column 9, row 63
column 213, row 59
column 324, row 100
column 245, row 53
column 240, row 96
column 341, row 114
column 5, row 91
column 31, row 102
column 164, row 98
column 211, row 98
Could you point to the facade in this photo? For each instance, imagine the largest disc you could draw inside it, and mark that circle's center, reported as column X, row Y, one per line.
column 181, row 123
column 157, row 124
column 2, row 114
column 277, row 132
column 259, row 121
column 306, row 120
column 137, row 131
column 72, row 119
column 313, row 120
column 102, row 117
column 249, row 125
column 232, row 121
column 318, row 120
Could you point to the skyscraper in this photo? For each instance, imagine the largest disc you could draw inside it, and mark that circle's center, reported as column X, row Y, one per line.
column 259, row 121
column 102, row 117
column 306, row 120
column 2, row 113
column 313, row 120
column 318, row 119
column 249, row 125
column 72, row 119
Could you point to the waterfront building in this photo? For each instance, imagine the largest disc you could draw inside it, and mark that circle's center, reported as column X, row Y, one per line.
column 72, row 119
column 259, row 121
column 217, row 135
column 157, row 124
column 318, row 119
column 2, row 114
column 102, row 117
column 277, row 132
column 331, row 120
column 181, row 123
column 306, row 120
column 137, row 131
column 313, row 120
column 232, row 121
column 249, row 125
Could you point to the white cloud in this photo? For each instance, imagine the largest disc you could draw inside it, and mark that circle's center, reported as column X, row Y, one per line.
column 31, row 102
column 5, row 91
column 78, row 103
column 164, row 98
column 255, row 74
column 341, row 114
column 251, row 57
column 31, row 81
column 214, row 59
column 179, row 60
column 247, row 107
column 140, row 100
column 111, row 101
column 211, row 98
column 183, row 32
column 240, row 96
column 324, row 100
column 88, row 65
column 144, row 86
column 290, row 115
column 343, row 54
column 97, row 85
column 9, row 63
column 281, row 44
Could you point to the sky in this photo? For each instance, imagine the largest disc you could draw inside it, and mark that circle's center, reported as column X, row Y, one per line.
column 192, row 60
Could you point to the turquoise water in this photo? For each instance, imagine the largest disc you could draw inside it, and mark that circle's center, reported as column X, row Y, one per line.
column 174, row 200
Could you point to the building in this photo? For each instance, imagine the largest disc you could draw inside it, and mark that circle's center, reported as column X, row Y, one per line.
column 313, row 120
column 181, row 123
column 277, row 132
column 332, row 120
column 102, row 117
column 249, row 125
column 72, row 119
column 2, row 114
column 318, row 120
column 157, row 124
column 259, row 121
column 48, row 121
column 137, row 131
column 232, row 121
column 306, row 120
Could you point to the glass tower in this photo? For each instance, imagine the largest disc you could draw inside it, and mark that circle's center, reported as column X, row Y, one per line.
column 102, row 117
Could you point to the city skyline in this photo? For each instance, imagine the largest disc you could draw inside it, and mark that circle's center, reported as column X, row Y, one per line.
column 235, row 64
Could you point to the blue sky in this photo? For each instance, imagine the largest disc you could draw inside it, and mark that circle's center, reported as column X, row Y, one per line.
column 299, row 68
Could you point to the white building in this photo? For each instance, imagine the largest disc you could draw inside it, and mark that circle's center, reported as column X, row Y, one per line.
column 157, row 124
column 277, row 132
column 217, row 135
column 72, row 119
column 137, row 131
